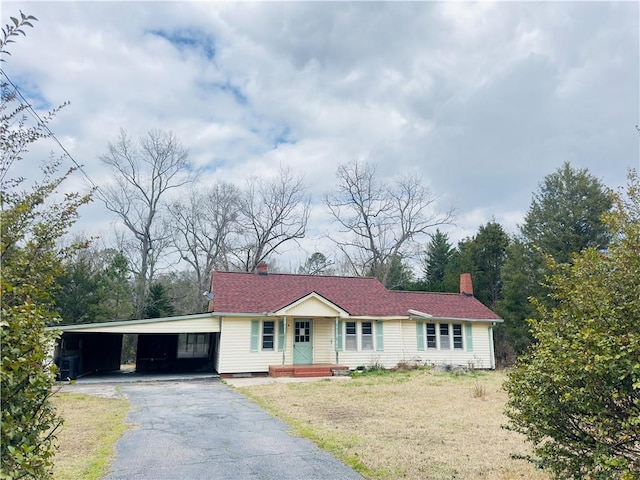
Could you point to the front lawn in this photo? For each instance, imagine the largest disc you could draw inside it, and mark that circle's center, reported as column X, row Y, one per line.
column 86, row 440
column 410, row 424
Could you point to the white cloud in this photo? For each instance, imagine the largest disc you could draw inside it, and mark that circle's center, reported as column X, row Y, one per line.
column 482, row 99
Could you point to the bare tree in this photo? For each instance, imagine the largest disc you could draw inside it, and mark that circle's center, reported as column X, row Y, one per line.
column 272, row 212
column 380, row 222
column 207, row 223
column 143, row 173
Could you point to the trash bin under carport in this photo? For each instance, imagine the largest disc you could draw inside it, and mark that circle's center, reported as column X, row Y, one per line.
column 69, row 367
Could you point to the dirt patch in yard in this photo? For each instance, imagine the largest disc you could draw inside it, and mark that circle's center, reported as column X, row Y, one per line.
column 412, row 425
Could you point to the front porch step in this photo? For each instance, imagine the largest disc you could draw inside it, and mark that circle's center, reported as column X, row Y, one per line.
column 312, row 372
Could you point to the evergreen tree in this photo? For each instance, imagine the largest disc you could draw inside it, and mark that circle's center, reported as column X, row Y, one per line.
column 399, row 275
column 564, row 218
column 565, row 214
column 521, row 273
column 158, row 302
column 436, row 259
column 576, row 393
column 482, row 255
column 91, row 292
column 116, row 291
column 78, row 291
column 488, row 253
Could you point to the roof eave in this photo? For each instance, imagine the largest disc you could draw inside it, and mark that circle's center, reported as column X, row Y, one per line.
column 457, row 319
column 142, row 321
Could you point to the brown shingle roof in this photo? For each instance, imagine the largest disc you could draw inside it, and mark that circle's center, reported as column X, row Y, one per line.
column 239, row 292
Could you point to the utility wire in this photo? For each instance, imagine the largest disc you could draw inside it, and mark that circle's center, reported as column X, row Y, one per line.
column 46, row 128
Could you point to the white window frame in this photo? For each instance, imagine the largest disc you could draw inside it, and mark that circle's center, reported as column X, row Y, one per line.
column 351, row 339
column 264, row 335
column 434, row 335
column 357, row 340
column 459, row 337
column 447, row 336
column 366, row 346
column 451, row 336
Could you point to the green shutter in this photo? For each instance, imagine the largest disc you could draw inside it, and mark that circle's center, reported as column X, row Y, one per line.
column 280, row 335
column 379, row 336
column 468, row 336
column 339, row 335
column 255, row 335
column 420, row 335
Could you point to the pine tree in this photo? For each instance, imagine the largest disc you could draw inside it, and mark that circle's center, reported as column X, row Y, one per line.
column 158, row 302
column 436, row 259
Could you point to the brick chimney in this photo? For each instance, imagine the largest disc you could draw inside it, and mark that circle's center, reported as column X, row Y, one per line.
column 262, row 268
column 466, row 287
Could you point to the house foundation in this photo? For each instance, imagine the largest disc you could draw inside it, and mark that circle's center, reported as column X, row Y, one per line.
column 302, row 371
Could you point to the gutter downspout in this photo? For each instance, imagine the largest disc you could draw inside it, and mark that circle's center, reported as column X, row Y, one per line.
column 402, row 342
column 335, row 341
column 492, row 360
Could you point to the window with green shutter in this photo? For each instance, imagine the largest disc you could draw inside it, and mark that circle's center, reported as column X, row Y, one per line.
column 420, row 335
column 255, row 335
column 379, row 336
column 339, row 335
column 281, row 335
column 468, row 336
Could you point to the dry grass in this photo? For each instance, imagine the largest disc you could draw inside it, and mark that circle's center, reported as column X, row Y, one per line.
column 87, row 437
column 411, row 425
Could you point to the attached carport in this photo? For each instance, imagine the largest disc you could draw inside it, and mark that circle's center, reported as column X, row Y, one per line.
column 187, row 343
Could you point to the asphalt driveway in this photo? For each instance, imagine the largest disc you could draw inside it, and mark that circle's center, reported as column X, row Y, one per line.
column 203, row 429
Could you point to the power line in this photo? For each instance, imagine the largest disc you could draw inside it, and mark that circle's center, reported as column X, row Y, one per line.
column 46, row 128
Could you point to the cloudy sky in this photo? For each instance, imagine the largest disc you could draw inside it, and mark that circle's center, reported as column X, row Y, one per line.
column 481, row 100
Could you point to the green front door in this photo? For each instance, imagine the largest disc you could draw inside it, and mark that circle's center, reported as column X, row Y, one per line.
column 302, row 351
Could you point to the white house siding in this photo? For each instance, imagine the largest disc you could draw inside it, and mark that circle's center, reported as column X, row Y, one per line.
column 401, row 345
column 323, row 347
column 389, row 357
column 235, row 355
column 479, row 357
column 312, row 307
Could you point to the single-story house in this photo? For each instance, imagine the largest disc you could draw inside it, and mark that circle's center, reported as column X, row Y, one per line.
column 287, row 324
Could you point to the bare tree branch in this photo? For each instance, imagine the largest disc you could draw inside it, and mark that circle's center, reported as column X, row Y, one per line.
column 207, row 227
column 272, row 212
column 143, row 174
column 381, row 221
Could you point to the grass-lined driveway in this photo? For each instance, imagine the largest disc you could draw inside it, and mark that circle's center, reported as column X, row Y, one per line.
column 206, row 430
